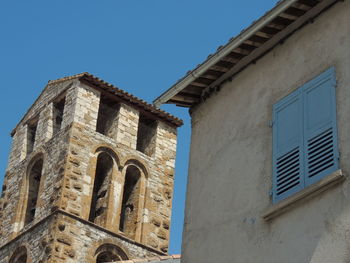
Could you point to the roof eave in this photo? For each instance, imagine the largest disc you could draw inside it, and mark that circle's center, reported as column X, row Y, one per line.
column 177, row 94
column 167, row 95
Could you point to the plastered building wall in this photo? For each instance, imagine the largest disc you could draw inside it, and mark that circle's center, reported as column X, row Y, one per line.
column 230, row 174
column 61, row 231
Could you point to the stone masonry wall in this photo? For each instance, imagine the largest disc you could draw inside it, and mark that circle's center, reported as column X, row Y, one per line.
column 38, row 242
column 80, row 172
column 127, row 126
column 63, row 238
column 54, row 152
column 80, row 175
column 41, row 107
column 77, row 241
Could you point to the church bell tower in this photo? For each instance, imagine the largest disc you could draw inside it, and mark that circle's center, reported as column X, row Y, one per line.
column 90, row 177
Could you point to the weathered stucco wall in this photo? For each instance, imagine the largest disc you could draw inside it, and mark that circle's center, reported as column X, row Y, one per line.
column 230, row 172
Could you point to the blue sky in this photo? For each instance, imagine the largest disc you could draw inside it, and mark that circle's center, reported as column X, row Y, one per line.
column 140, row 46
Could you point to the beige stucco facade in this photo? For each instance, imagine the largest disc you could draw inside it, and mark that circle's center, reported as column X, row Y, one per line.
column 230, row 173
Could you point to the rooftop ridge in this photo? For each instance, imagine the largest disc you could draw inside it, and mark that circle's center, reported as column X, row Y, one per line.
column 55, row 81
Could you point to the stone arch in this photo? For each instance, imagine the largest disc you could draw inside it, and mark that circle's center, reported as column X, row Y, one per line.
column 108, row 149
column 133, row 199
column 141, row 164
column 20, row 255
column 109, row 252
column 105, row 164
column 99, row 245
column 37, row 156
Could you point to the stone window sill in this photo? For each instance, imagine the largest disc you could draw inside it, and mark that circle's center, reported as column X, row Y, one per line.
column 286, row 204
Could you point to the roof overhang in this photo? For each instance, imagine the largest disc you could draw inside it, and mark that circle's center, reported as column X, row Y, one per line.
column 252, row 43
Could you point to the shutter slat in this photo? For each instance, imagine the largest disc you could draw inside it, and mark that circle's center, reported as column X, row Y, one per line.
column 322, row 162
column 288, row 166
column 292, row 184
column 321, row 168
column 285, row 159
column 285, row 172
column 315, row 158
column 324, row 137
column 288, row 161
column 320, row 147
column 288, row 179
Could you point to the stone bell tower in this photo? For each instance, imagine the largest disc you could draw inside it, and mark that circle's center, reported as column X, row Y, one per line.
column 89, row 178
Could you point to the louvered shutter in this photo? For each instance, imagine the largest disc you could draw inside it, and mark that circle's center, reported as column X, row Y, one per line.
column 288, row 146
column 320, row 133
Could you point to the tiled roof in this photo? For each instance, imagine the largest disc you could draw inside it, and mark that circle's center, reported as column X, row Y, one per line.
column 157, row 259
column 122, row 95
column 251, row 44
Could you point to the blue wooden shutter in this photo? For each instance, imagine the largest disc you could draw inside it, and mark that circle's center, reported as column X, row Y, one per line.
column 288, row 158
column 320, row 132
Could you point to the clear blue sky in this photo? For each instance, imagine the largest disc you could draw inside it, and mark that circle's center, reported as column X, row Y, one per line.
column 140, row 46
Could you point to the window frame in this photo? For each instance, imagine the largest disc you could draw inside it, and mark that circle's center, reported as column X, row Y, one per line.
column 327, row 78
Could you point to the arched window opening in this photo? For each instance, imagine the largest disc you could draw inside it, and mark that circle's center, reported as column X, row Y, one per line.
column 99, row 202
column 109, row 253
column 19, row 256
column 33, row 190
column 130, row 204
